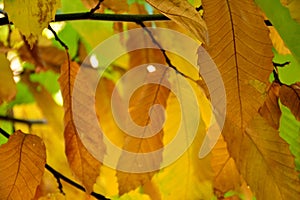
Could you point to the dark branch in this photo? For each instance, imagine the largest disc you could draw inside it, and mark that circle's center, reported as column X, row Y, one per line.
column 57, row 38
column 24, row 121
column 101, row 17
column 107, row 17
column 58, row 175
column 167, row 59
column 96, row 7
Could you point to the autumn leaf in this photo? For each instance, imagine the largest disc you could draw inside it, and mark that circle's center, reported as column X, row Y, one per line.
column 194, row 175
column 290, row 97
column 22, row 162
column 9, row 89
column 277, row 41
column 184, row 14
column 263, row 147
column 84, row 165
column 270, row 109
column 140, row 102
column 31, row 16
column 241, row 48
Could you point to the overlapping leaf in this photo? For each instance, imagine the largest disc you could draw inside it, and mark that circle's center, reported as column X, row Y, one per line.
column 140, row 111
column 31, row 16
column 290, row 97
column 241, row 48
column 194, row 175
column 184, row 14
column 22, row 162
column 83, row 164
column 270, row 109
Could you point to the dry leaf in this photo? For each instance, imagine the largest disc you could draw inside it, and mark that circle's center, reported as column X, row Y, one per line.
column 184, row 14
column 270, row 110
column 241, row 48
column 84, row 165
column 22, row 162
column 290, row 97
column 8, row 89
column 31, row 16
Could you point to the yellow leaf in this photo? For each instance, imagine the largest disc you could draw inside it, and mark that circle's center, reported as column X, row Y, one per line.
column 241, row 48
column 22, row 162
column 31, row 16
column 184, row 14
column 277, row 41
column 290, row 97
column 8, row 87
column 188, row 177
column 84, row 165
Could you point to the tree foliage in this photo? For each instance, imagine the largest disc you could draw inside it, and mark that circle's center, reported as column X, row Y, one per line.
column 43, row 48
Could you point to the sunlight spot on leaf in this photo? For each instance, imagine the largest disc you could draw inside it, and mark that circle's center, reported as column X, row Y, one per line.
column 94, row 61
column 151, row 68
column 58, row 98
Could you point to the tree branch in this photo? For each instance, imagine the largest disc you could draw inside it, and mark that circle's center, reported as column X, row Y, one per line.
column 106, row 17
column 24, row 121
column 59, row 176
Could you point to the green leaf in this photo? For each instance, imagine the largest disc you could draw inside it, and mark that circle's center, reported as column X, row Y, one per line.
column 281, row 19
column 290, row 131
column 48, row 79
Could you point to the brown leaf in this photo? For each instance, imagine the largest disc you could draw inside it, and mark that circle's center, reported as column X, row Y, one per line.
column 84, row 165
column 290, row 97
column 271, row 110
column 269, row 168
column 48, row 57
column 22, row 162
column 8, row 89
column 184, row 14
column 241, row 48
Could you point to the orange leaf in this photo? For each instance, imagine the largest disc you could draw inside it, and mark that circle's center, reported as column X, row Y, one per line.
column 141, row 101
column 270, row 110
column 241, row 48
column 22, row 162
column 290, row 97
column 83, row 164
column 184, row 14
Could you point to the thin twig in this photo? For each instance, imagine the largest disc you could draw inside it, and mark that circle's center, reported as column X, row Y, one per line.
column 57, row 38
column 57, row 174
column 167, row 59
column 24, row 121
column 96, row 7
